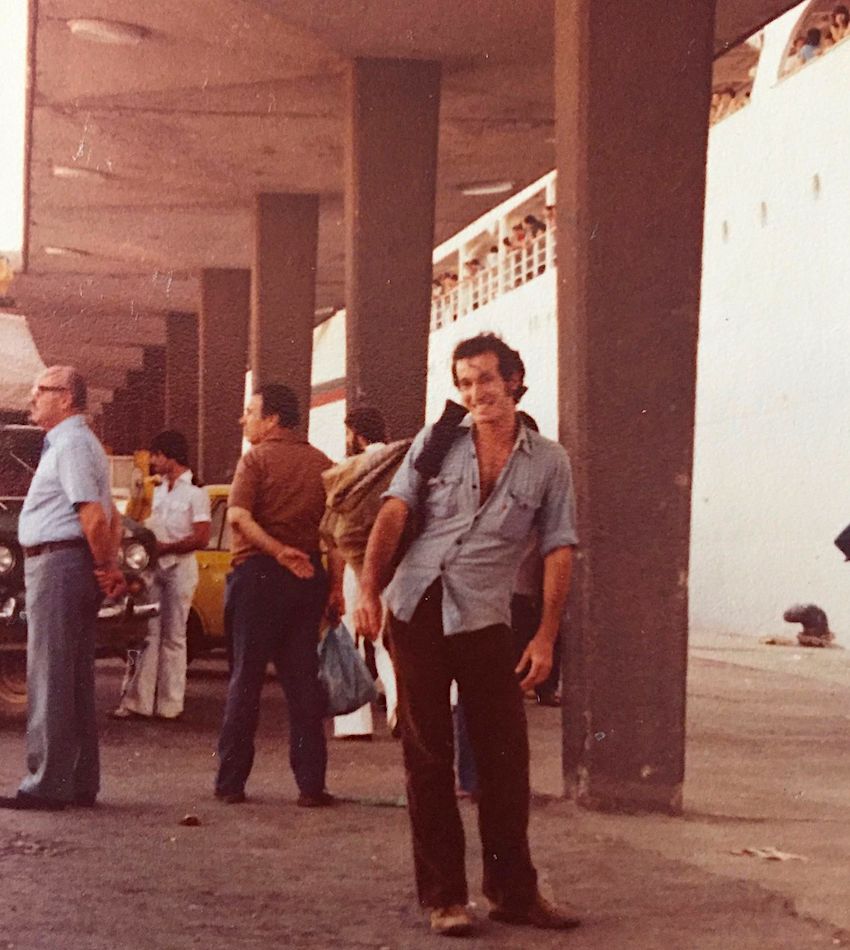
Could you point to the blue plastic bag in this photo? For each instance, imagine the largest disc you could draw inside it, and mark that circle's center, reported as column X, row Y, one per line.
column 343, row 673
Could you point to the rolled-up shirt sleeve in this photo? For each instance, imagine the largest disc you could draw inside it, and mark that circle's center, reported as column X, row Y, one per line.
column 200, row 506
column 406, row 481
column 557, row 515
column 246, row 480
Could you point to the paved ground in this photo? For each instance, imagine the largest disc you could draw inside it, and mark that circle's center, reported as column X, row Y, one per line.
column 768, row 767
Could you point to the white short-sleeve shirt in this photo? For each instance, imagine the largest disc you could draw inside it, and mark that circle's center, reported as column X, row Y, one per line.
column 175, row 510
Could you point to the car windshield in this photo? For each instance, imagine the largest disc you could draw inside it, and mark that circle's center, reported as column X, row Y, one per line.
column 20, row 450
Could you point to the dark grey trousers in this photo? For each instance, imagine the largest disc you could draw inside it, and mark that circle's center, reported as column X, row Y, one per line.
column 62, row 748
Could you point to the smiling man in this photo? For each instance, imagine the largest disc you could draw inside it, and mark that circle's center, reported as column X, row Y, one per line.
column 449, row 618
column 69, row 531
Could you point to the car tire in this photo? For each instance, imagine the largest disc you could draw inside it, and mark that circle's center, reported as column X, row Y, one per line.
column 13, row 683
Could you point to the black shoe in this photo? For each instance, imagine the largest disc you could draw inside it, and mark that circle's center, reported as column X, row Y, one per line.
column 25, row 802
column 85, row 801
column 356, row 737
column 322, row 800
column 540, row 914
column 231, row 798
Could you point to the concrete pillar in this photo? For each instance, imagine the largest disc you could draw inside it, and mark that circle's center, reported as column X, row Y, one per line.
column 106, row 423
column 181, row 378
column 137, row 424
column 96, row 422
column 152, row 393
column 137, row 410
column 632, row 124
column 222, row 362
column 391, row 166
column 283, row 293
column 122, row 423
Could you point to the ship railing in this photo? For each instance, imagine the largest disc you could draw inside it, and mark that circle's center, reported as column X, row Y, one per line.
column 515, row 266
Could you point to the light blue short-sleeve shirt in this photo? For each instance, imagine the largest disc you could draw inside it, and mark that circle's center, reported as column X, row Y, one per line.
column 474, row 549
column 73, row 469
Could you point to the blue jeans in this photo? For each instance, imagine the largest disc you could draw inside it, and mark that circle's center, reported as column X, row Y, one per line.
column 272, row 615
column 62, row 747
column 467, row 773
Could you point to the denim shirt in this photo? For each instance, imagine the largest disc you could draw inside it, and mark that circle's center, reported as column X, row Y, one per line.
column 73, row 469
column 475, row 549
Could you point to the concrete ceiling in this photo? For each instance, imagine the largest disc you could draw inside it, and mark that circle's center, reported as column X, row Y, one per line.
column 227, row 98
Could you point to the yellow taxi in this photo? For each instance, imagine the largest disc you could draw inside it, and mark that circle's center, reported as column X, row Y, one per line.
column 205, row 627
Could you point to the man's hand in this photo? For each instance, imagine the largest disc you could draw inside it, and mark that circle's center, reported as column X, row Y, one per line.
column 103, row 532
column 293, row 559
column 196, row 541
column 111, row 581
column 535, row 662
column 335, row 607
column 368, row 615
column 536, row 659
column 296, row 561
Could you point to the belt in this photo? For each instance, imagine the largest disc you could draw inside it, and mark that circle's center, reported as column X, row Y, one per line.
column 49, row 546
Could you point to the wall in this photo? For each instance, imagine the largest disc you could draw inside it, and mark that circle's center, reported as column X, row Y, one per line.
column 327, row 430
column 772, row 478
column 20, row 361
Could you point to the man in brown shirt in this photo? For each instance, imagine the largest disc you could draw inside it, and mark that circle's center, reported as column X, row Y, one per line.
column 276, row 595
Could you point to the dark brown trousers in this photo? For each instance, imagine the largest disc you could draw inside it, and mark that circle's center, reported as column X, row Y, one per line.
column 482, row 661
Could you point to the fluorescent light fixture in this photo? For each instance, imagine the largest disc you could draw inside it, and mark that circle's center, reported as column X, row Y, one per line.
column 486, row 188
column 79, row 172
column 54, row 250
column 108, row 31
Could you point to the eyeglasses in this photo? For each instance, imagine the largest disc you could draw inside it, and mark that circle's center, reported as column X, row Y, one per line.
column 50, row 389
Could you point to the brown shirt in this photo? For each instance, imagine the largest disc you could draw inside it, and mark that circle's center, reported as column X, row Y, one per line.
column 280, row 482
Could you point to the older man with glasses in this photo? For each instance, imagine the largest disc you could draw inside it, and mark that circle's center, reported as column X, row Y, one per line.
column 69, row 531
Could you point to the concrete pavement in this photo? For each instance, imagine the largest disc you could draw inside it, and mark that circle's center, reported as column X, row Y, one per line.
column 767, row 768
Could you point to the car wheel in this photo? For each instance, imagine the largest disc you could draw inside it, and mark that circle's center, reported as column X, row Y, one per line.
column 13, row 683
column 195, row 639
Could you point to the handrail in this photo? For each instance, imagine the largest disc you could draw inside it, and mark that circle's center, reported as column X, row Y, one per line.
column 516, row 266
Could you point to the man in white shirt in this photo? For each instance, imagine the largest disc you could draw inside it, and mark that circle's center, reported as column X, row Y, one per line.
column 180, row 519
